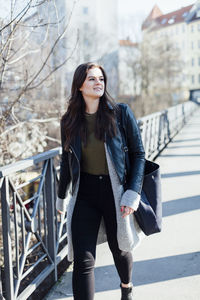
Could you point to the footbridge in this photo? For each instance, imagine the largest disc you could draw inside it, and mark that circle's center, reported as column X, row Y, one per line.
column 33, row 237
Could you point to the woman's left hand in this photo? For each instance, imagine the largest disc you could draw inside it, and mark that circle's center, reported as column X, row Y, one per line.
column 126, row 210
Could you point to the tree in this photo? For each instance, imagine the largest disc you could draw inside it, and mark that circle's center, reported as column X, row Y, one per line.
column 156, row 72
column 28, row 64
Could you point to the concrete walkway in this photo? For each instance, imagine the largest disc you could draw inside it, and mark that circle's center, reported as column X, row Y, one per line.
column 166, row 265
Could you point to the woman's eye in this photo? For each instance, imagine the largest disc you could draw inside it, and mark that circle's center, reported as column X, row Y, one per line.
column 91, row 79
column 102, row 79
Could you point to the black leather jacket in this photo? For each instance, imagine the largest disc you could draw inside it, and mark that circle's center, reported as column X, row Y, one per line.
column 70, row 161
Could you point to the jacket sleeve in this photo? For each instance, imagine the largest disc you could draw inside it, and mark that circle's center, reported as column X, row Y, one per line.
column 65, row 177
column 131, row 199
column 136, row 152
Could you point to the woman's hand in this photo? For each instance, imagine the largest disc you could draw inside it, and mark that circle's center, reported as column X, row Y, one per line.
column 61, row 205
column 126, row 210
column 60, row 212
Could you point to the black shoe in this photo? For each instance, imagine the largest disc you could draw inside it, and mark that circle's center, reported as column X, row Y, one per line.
column 127, row 293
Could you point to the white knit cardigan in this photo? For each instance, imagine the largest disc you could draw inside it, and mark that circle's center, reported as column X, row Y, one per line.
column 129, row 233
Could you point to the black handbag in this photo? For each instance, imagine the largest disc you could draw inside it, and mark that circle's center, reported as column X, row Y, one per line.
column 149, row 212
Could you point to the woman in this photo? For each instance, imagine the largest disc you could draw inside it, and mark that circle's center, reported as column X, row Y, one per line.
column 100, row 193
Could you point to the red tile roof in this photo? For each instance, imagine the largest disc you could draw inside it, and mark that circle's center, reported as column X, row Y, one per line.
column 155, row 13
column 173, row 17
column 127, row 43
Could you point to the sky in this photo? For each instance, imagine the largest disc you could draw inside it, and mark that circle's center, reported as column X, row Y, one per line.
column 129, row 6
column 132, row 13
column 145, row 6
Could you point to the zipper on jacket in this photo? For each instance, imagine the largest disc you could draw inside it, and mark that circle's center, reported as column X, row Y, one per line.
column 125, row 149
column 72, row 150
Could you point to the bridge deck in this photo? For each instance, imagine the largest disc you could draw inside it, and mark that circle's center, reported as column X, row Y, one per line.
column 166, row 265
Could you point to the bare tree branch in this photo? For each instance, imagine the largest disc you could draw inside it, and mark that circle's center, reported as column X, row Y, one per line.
column 11, row 128
column 56, row 68
column 43, row 25
column 51, row 51
column 23, row 71
column 23, row 12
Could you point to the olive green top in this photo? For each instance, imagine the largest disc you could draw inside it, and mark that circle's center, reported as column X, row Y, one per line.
column 93, row 157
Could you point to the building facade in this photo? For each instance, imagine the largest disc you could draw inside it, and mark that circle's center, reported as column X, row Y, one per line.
column 183, row 28
column 91, row 35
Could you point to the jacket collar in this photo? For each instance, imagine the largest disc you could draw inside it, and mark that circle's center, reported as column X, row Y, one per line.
column 110, row 106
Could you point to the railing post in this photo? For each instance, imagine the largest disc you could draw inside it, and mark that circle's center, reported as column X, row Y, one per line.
column 51, row 236
column 1, row 290
column 8, row 271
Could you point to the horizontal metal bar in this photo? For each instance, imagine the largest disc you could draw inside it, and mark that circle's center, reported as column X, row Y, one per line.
column 44, row 248
column 28, row 182
column 33, row 248
column 29, row 162
column 33, row 266
column 19, row 200
column 62, row 237
column 30, row 199
column 35, row 283
column 61, row 255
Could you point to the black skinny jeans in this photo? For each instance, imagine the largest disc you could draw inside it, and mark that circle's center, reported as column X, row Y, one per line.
column 94, row 201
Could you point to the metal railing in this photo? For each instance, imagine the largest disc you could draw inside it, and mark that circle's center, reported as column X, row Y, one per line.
column 159, row 128
column 34, row 235
column 32, row 232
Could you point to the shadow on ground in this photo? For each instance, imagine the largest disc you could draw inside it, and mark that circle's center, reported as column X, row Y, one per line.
column 181, row 205
column 151, row 271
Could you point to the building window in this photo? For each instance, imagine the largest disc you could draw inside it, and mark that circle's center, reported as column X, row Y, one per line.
column 177, row 30
column 192, row 28
column 184, row 14
column 183, row 28
column 192, row 45
column 86, row 27
column 171, row 21
column 163, row 21
column 85, row 10
column 198, row 27
column 199, row 78
column 199, row 61
column 86, row 42
column 199, row 44
column 192, row 79
column 192, row 61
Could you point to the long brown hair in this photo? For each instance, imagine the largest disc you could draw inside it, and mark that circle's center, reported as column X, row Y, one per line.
column 73, row 121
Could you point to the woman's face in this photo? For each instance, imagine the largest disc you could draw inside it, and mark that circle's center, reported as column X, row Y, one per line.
column 94, row 85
